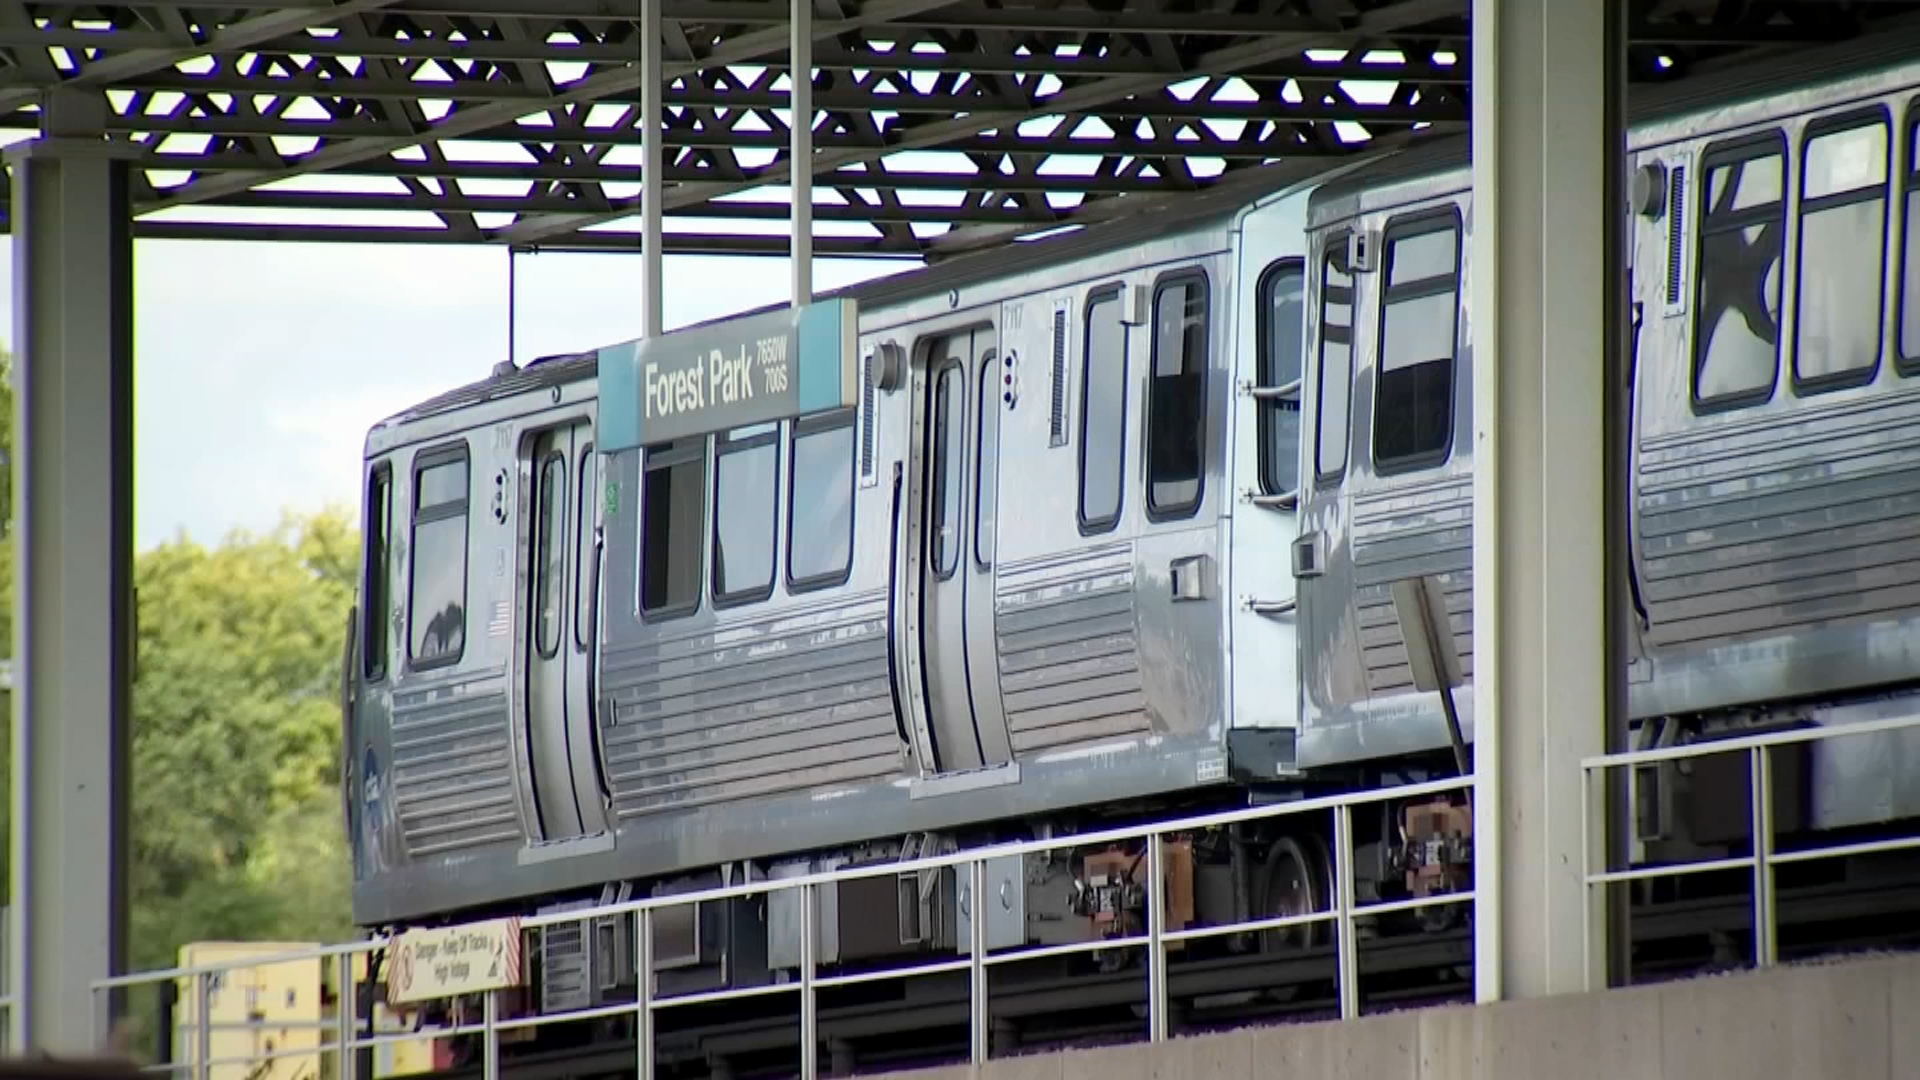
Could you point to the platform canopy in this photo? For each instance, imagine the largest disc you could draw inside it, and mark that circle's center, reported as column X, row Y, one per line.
column 941, row 125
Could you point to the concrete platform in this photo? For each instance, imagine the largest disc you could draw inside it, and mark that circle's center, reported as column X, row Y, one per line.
column 1857, row 1019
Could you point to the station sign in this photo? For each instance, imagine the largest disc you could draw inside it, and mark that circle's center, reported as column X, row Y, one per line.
column 446, row 961
column 776, row 365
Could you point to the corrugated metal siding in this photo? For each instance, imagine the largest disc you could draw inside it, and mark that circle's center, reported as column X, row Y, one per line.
column 1782, row 521
column 1412, row 531
column 453, row 768
column 782, row 704
column 1069, row 650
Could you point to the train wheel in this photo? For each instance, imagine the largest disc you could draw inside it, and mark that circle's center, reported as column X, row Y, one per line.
column 1295, row 885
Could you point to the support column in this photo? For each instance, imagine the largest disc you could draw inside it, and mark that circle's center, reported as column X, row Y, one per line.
column 800, row 149
column 1547, row 288
column 73, row 472
column 652, row 180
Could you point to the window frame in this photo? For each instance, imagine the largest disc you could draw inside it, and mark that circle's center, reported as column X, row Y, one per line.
column 589, row 468
column 801, row 428
column 725, row 444
column 1100, row 294
column 1406, row 226
column 1167, row 281
column 543, row 555
column 430, row 458
column 1833, row 124
column 954, row 444
column 1339, row 242
column 1264, row 408
column 1903, row 175
column 694, row 448
column 1751, row 147
column 373, row 662
column 989, row 391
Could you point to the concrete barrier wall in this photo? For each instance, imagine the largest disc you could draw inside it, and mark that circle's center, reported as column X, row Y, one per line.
column 1857, row 1020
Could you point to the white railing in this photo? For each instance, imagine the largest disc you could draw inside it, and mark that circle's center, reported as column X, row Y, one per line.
column 350, row 1035
column 1763, row 859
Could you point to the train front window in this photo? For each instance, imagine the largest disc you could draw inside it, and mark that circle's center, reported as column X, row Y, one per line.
column 1743, row 224
column 672, row 507
column 1281, row 320
column 437, row 595
column 1413, row 400
column 1842, row 261
column 746, row 504
column 949, row 410
column 1177, row 397
column 1103, row 413
column 379, row 578
column 1336, row 361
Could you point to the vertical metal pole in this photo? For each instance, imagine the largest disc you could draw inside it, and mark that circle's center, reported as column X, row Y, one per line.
column 346, row 1014
column 643, row 975
column 73, row 468
column 1586, row 857
column 1760, row 783
column 1156, row 945
column 652, row 172
column 800, row 130
column 1614, row 830
column 977, row 971
column 202, row 1025
column 513, row 297
column 809, row 1016
column 1347, row 949
column 490, row 1038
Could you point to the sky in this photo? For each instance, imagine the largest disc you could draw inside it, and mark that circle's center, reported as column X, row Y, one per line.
column 258, row 368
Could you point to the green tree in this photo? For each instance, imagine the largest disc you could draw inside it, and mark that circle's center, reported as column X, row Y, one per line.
column 236, row 829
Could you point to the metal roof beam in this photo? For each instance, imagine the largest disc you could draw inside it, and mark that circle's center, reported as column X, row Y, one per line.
column 1085, row 97
column 464, row 122
column 235, row 37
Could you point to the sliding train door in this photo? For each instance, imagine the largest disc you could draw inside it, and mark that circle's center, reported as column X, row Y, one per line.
column 557, row 552
column 956, row 639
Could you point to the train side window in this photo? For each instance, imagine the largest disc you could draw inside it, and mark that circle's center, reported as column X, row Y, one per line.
column 746, row 507
column 437, row 590
column 1279, row 321
column 1103, row 412
column 1743, row 222
column 550, row 531
column 375, row 616
column 1841, row 269
column 1177, row 397
column 1419, row 323
column 1332, row 417
column 672, row 508
column 1910, row 252
column 583, row 598
column 820, row 502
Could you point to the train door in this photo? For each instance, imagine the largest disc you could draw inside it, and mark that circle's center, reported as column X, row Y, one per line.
column 957, row 647
column 1266, row 472
column 558, row 542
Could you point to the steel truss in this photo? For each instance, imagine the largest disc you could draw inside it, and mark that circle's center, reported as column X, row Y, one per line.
column 940, row 127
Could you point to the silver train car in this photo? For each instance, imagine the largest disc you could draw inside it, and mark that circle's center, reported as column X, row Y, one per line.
column 1113, row 533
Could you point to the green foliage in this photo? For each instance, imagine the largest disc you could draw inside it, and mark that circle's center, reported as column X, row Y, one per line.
column 236, row 830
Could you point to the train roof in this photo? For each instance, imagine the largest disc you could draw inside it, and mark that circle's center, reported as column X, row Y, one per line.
column 1215, row 205
column 1752, row 79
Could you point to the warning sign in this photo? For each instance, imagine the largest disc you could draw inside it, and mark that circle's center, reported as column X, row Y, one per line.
column 450, row 960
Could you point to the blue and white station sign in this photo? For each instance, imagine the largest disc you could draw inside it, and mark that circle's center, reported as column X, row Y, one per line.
column 776, row 365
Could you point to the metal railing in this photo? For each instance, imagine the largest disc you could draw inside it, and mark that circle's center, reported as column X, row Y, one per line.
column 351, row 1033
column 1763, row 859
